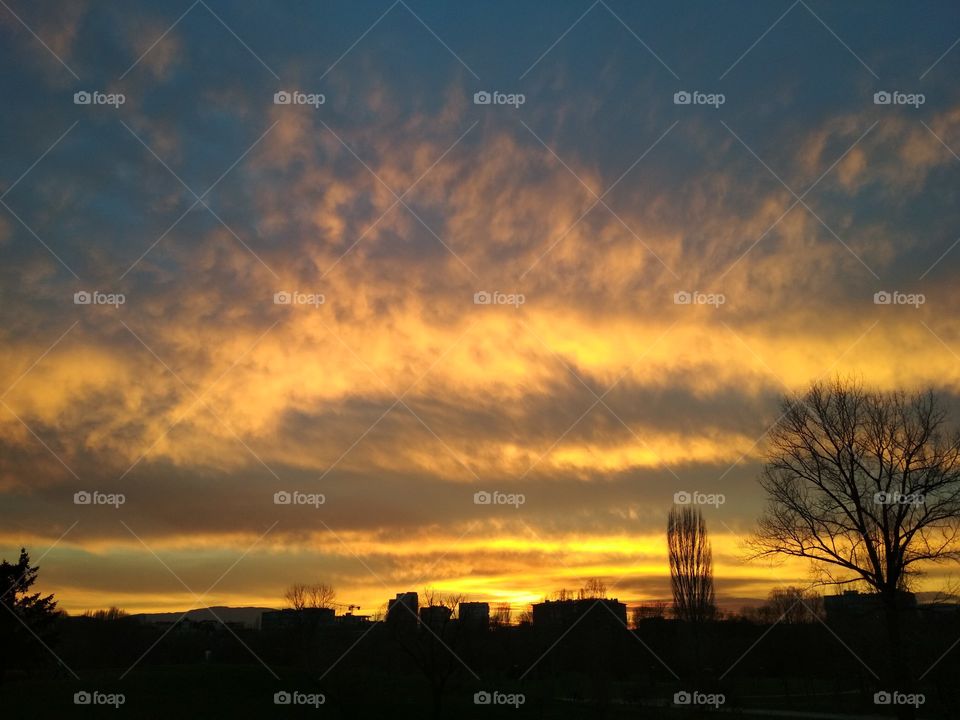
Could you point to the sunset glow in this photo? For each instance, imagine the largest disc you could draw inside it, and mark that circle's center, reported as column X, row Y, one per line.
column 597, row 397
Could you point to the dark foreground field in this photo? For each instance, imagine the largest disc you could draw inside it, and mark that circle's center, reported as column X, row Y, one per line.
column 247, row 691
column 596, row 670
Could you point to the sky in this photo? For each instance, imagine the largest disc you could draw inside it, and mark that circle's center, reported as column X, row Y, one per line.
column 583, row 297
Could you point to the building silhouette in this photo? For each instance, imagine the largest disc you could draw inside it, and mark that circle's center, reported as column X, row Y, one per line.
column 590, row 614
column 402, row 610
column 351, row 620
column 435, row 617
column 291, row 619
column 854, row 606
column 474, row 614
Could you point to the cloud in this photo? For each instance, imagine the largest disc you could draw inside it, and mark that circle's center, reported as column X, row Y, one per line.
column 598, row 397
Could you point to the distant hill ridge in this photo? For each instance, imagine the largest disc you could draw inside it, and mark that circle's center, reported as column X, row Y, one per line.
column 249, row 616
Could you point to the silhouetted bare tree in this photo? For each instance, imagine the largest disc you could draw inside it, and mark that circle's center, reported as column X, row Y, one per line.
column 789, row 606
column 648, row 611
column 321, row 595
column 867, row 485
column 318, row 595
column 108, row 615
column 502, row 614
column 296, row 596
column 691, row 565
column 593, row 588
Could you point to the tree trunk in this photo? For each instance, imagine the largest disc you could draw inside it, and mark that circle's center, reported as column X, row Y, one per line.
column 899, row 672
column 437, row 692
